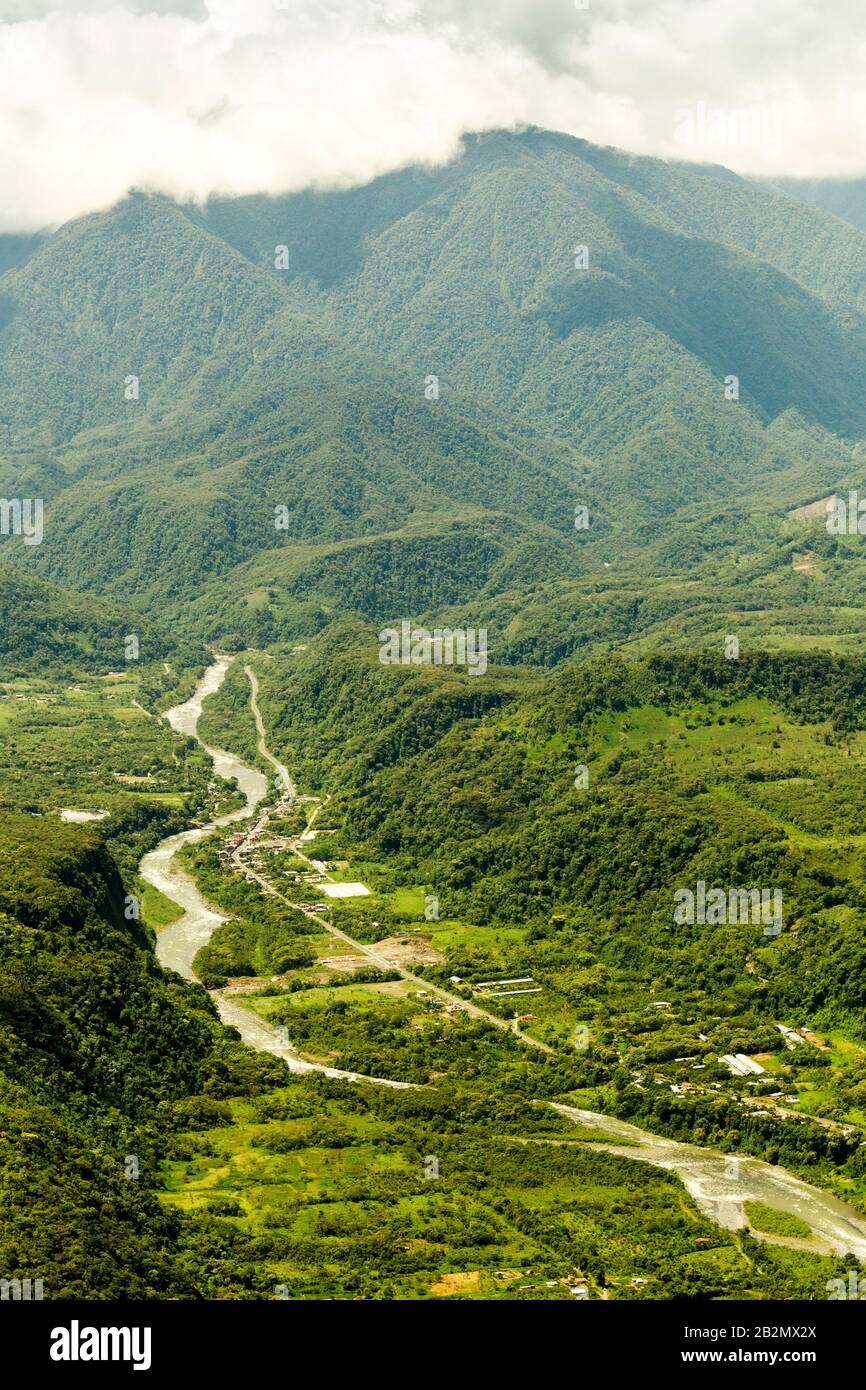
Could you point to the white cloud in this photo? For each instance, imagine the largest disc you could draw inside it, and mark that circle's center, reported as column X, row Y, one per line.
column 193, row 97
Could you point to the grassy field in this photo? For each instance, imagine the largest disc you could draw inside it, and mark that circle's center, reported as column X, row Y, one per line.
column 361, row 1195
column 157, row 910
column 93, row 746
column 773, row 1222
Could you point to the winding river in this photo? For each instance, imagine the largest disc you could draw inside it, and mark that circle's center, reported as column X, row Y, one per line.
column 178, row 943
column 719, row 1183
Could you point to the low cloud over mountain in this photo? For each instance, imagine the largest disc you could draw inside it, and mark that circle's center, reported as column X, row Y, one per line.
column 195, row 97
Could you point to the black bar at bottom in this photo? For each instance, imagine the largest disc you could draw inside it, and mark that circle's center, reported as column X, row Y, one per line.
column 83, row 1340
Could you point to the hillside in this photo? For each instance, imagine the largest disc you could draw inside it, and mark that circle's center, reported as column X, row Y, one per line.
column 471, row 270
column 47, row 630
column 281, row 465
column 96, row 1045
column 845, row 198
column 245, row 404
column 695, row 769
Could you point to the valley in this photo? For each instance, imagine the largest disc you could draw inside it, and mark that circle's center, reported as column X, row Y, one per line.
column 721, row 1187
column 364, row 945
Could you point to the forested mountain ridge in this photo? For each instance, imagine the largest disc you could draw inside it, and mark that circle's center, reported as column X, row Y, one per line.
column 242, row 404
column 96, row 1048
column 46, row 630
column 278, row 463
column 691, row 273
column 844, row 198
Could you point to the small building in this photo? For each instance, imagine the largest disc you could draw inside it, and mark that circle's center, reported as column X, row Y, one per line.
column 739, row 1064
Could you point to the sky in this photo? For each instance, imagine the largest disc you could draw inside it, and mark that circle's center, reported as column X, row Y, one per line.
column 201, row 97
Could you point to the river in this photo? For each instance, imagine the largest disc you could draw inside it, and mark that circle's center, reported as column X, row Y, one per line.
column 177, row 944
column 721, row 1183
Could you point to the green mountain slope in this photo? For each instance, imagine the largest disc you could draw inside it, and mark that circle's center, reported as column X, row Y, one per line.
column 282, row 466
column 96, row 1045
column 246, row 404
column 693, row 274
column 845, row 198
column 47, row 630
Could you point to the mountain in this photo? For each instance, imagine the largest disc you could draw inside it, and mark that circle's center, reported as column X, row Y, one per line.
column 245, row 404
column 501, row 394
column 845, row 198
column 256, row 451
column 693, row 274
column 48, row 631
column 15, row 248
column 96, row 1045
